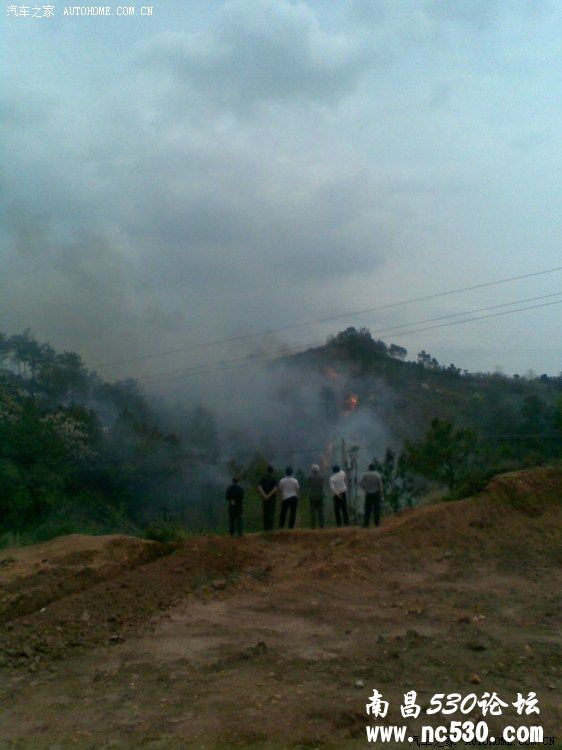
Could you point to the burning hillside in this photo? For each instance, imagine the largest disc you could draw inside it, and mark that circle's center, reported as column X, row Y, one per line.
column 351, row 403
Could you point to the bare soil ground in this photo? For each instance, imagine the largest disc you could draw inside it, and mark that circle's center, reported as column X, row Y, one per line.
column 277, row 641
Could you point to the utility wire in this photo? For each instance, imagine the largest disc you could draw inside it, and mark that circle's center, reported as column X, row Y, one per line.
column 478, row 317
column 390, row 329
column 246, row 359
column 327, row 319
column 233, row 364
column 227, row 366
column 468, row 312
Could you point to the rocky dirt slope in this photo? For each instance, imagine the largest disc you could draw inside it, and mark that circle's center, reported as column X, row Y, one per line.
column 277, row 641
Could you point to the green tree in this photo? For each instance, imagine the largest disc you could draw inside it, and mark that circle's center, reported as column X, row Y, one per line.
column 359, row 345
column 389, row 473
column 426, row 361
column 5, row 348
column 398, row 352
column 444, row 454
column 400, row 485
column 558, row 414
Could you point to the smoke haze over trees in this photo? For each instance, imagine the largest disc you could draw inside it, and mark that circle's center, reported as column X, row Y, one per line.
column 80, row 452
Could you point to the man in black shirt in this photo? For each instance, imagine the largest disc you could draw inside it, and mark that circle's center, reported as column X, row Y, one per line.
column 315, row 486
column 267, row 488
column 235, row 500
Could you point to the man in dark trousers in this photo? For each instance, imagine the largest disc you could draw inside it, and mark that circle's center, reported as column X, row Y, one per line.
column 235, row 500
column 338, row 487
column 289, row 490
column 315, row 486
column 267, row 488
column 372, row 485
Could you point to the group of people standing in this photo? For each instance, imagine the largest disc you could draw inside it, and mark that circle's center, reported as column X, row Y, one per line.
column 288, row 491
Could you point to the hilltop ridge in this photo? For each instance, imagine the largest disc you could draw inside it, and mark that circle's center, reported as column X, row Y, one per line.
column 407, row 394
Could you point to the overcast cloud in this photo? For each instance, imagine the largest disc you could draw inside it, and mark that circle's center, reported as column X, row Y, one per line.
column 227, row 167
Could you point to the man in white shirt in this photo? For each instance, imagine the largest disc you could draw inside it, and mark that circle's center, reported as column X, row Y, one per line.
column 289, row 490
column 338, row 487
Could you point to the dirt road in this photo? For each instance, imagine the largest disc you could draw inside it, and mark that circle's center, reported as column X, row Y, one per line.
column 279, row 641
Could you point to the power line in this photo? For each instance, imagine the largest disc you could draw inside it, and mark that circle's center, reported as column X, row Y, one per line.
column 327, row 319
column 227, row 366
column 390, row 329
column 468, row 312
column 479, row 317
column 234, row 364
column 276, row 358
column 246, row 359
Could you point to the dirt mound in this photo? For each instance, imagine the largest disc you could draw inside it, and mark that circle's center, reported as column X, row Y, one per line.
column 71, row 606
column 529, row 491
column 516, row 504
column 515, row 523
column 277, row 640
column 32, row 577
column 72, row 550
column 78, row 590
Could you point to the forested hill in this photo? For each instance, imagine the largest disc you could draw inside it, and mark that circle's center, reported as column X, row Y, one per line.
column 81, row 454
column 408, row 394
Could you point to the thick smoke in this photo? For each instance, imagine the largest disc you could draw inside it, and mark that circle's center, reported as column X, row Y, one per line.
column 288, row 413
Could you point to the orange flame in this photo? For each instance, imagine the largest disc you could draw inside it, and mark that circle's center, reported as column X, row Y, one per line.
column 329, row 372
column 351, row 402
column 327, row 456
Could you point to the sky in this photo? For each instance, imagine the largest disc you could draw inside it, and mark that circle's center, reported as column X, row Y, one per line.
column 223, row 168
